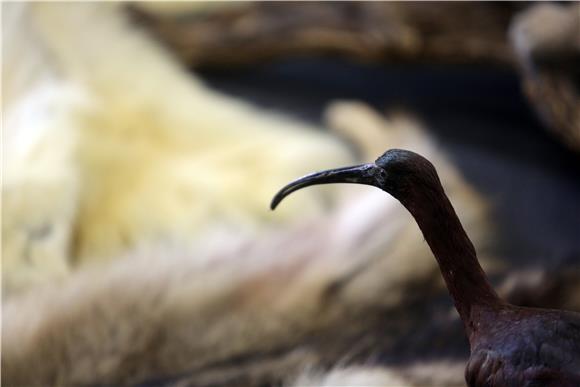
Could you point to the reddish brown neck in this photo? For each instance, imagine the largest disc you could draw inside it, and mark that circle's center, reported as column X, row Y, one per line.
column 463, row 275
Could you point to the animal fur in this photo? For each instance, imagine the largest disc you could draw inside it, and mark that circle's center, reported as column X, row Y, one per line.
column 546, row 40
column 101, row 126
column 137, row 244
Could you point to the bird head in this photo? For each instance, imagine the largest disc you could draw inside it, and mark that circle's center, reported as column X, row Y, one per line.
column 401, row 173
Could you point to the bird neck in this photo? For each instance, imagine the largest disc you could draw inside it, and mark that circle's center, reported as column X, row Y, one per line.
column 455, row 254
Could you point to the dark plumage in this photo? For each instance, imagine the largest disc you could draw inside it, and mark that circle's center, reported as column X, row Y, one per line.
column 510, row 345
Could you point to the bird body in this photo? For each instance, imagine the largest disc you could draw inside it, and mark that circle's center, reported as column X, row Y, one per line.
column 510, row 345
column 514, row 346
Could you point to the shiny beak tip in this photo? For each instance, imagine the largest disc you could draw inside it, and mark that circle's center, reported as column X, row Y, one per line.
column 275, row 201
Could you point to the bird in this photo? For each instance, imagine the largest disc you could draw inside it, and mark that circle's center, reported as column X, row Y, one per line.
column 510, row 345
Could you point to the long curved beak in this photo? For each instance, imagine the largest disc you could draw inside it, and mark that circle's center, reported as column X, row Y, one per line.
column 368, row 174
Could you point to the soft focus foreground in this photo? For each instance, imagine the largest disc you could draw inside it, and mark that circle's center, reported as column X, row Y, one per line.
column 138, row 246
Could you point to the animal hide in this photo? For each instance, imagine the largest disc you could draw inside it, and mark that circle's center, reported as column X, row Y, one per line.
column 137, row 244
column 546, row 39
column 101, row 126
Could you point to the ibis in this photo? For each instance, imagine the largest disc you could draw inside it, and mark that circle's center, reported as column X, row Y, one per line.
column 510, row 345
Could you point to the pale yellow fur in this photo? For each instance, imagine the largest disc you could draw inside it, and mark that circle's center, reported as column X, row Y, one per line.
column 111, row 144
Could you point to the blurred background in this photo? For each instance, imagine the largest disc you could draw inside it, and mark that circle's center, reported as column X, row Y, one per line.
column 142, row 143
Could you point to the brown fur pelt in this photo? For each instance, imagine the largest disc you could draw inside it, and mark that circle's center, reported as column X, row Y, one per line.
column 248, row 33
